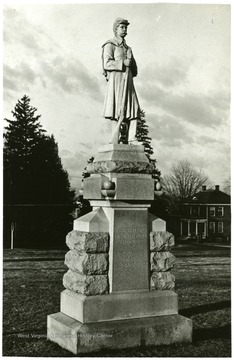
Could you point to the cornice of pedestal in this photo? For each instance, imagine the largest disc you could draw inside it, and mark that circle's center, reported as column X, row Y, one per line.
column 121, row 204
column 121, row 158
column 120, row 166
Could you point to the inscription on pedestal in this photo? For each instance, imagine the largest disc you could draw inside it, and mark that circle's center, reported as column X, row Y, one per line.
column 130, row 268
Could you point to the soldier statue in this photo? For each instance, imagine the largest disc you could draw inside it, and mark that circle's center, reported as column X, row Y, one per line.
column 121, row 104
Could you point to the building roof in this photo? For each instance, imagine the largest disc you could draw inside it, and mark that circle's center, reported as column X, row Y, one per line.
column 209, row 197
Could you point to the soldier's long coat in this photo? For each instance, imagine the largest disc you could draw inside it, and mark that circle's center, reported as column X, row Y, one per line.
column 114, row 53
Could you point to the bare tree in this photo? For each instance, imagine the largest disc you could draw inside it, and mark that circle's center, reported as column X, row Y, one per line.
column 183, row 181
column 227, row 186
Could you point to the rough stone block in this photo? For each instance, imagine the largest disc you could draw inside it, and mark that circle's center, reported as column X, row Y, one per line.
column 161, row 241
column 162, row 281
column 162, row 261
column 96, row 242
column 86, row 284
column 87, row 264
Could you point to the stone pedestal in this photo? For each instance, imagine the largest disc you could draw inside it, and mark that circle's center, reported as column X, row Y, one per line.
column 119, row 287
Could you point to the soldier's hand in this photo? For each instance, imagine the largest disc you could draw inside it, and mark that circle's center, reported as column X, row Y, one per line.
column 127, row 62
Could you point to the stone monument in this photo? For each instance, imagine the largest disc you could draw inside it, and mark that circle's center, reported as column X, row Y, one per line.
column 119, row 290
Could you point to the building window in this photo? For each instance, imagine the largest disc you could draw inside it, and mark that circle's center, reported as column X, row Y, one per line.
column 220, row 211
column 212, row 227
column 220, row 227
column 212, row 211
column 194, row 210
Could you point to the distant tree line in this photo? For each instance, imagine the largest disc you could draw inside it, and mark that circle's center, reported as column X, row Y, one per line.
column 38, row 200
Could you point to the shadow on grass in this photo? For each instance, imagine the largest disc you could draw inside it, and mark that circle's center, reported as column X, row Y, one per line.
column 222, row 332
column 201, row 309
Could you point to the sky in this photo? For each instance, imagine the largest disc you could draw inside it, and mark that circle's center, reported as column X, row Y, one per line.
column 52, row 53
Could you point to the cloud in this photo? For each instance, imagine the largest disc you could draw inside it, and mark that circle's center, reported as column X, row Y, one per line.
column 203, row 139
column 31, row 42
column 65, row 153
column 21, row 33
column 193, row 108
column 151, row 92
column 199, row 156
column 86, row 145
column 220, row 100
column 42, row 58
column 74, row 164
column 71, row 76
column 156, row 82
column 23, row 73
column 168, row 130
column 171, row 74
column 200, row 153
column 40, row 50
column 198, row 109
column 8, row 83
column 165, row 88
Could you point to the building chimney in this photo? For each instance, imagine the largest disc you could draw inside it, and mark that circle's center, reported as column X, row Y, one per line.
column 203, row 187
column 216, row 187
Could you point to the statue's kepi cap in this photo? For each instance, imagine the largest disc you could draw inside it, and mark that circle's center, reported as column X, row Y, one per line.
column 119, row 21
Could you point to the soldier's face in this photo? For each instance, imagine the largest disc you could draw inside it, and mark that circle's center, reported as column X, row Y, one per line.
column 122, row 30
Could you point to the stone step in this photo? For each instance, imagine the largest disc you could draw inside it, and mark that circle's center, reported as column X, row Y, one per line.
column 85, row 338
column 118, row 306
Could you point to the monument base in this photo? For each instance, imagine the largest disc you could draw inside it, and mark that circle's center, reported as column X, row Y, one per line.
column 81, row 338
column 119, row 289
column 118, row 306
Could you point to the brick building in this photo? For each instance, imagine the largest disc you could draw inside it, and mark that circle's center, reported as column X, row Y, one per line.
column 206, row 215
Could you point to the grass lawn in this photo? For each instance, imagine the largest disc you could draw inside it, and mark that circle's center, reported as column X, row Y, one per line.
column 33, row 280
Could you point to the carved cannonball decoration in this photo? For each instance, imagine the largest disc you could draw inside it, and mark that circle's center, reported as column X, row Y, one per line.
column 108, row 185
column 158, row 186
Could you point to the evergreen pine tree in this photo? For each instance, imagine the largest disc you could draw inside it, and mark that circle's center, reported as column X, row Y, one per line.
column 21, row 136
column 51, row 183
column 142, row 136
column 36, row 187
